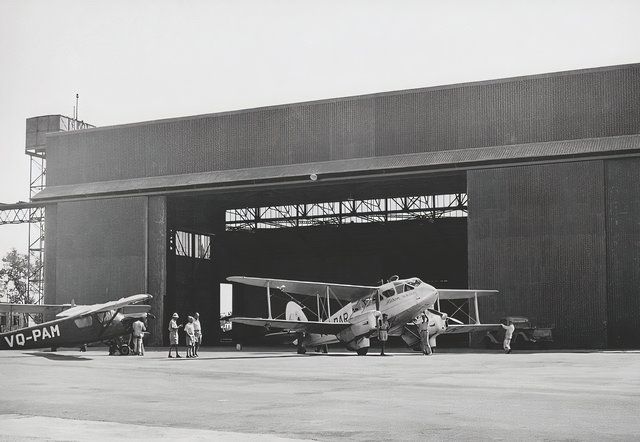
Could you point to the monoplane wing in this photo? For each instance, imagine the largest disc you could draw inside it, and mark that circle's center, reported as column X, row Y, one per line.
column 345, row 292
column 464, row 294
column 81, row 310
column 323, row 328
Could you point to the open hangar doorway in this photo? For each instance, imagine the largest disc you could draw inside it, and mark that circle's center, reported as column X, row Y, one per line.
column 357, row 233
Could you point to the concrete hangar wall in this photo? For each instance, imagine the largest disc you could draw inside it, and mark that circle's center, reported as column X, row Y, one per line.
column 550, row 164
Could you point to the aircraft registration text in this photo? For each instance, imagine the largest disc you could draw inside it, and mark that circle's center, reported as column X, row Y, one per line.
column 37, row 334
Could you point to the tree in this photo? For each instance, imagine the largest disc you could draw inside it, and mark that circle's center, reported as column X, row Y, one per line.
column 13, row 278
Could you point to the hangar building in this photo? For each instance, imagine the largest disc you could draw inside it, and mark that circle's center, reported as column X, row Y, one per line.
column 526, row 185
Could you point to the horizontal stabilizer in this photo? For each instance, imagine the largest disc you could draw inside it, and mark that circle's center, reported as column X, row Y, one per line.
column 463, row 294
column 323, row 328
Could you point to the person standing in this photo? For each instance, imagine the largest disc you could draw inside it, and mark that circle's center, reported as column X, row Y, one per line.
column 509, row 328
column 197, row 328
column 383, row 333
column 173, row 334
column 423, row 330
column 190, row 337
column 138, row 333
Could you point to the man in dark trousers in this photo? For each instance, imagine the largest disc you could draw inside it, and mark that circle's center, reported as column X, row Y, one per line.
column 383, row 333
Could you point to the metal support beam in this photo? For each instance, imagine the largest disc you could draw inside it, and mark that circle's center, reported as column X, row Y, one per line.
column 475, row 304
column 269, row 299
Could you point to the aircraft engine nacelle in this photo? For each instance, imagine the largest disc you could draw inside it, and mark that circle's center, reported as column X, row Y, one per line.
column 437, row 323
column 361, row 325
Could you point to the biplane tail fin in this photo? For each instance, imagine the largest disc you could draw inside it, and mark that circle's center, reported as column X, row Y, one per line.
column 294, row 312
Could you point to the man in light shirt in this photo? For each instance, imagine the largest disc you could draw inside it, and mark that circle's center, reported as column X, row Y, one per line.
column 197, row 328
column 423, row 329
column 138, row 333
column 173, row 334
column 509, row 328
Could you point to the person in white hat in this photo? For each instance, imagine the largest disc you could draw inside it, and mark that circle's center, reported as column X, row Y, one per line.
column 190, row 337
column 173, row 334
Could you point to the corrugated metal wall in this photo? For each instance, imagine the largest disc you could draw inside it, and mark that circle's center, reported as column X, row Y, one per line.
column 583, row 104
column 100, row 253
column 537, row 234
column 623, row 252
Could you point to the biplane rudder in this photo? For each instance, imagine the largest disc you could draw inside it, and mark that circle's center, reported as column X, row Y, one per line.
column 293, row 312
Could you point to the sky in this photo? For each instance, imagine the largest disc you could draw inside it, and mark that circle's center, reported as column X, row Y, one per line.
column 146, row 60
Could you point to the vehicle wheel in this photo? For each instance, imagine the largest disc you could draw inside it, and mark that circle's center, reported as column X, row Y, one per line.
column 325, row 349
column 124, row 350
column 363, row 351
column 301, row 350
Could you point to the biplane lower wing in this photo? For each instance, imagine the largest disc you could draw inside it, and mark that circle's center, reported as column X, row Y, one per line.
column 445, row 294
column 345, row 292
column 322, row 328
column 469, row 328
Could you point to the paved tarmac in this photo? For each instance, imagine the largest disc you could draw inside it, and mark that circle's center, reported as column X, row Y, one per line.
column 277, row 395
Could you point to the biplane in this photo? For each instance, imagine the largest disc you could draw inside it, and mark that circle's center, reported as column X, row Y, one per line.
column 76, row 325
column 361, row 308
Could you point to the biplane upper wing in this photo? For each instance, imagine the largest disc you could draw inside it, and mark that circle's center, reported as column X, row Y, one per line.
column 344, row 292
column 323, row 328
column 463, row 294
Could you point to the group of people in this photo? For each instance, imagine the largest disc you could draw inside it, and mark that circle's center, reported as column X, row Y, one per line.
column 193, row 330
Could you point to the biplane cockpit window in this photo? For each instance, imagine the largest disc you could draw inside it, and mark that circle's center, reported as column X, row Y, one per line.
column 399, row 287
column 388, row 293
column 84, row 321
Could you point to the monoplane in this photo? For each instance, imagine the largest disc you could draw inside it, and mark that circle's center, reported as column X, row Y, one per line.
column 76, row 325
column 359, row 318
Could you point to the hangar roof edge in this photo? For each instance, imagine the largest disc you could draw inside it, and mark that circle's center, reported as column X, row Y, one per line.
column 354, row 97
column 349, row 169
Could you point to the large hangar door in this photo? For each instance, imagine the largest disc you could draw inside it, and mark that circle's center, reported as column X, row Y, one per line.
column 193, row 264
column 192, row 282
column 354, row 236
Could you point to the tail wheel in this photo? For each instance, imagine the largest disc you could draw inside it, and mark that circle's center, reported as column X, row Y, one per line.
column 363, row 351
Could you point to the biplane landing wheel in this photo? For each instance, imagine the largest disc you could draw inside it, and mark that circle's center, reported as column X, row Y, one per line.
column 301, row 350
column 363, row 351
column 325, row 349
column 124, row 350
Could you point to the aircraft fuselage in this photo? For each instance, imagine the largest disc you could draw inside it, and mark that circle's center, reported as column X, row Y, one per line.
column 400, row 300
column 65, row 332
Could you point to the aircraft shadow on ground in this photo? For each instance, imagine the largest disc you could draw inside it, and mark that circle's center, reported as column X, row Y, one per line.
column 261, row 356
column 59, row 357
